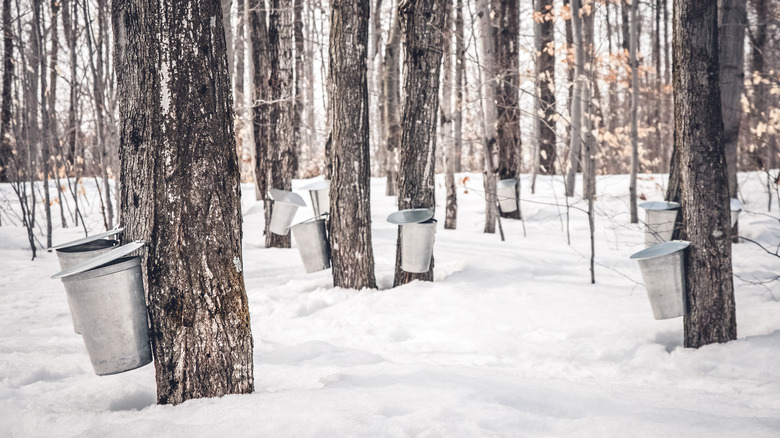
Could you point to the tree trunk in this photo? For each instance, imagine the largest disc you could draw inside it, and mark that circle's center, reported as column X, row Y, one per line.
column 54, row 6
column 350, row 189
column 424, row 42
column 181, row 192
column 70, row 28
column 575, row 142
column 460, row 68
column 732, row 20
column 445, row 106
column 392, row 105
column 45, row 120
column 260, row 107
column 6, row 155
column 760, row 108
column 298, row 92
column 280, row 153
column 590, row 111
column 487, row 90
column 634, row 110
column 705, row 200
column 545, row 83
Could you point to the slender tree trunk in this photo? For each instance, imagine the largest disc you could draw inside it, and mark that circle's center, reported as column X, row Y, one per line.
column 590, row 112
column 70, row 27
column 460, row 68
column 45, row 120
column 53, row 138
column 424, row 42
column 760, row 109
column 392, row 105
column 260, row 107
column 299, row 84
column 350, row 190
column 705, row 199
column 545, row 83
column 181, row 193
column 487, row 91
column 575, row 142
column 445, row 106
column 6, row 154
column 634, row 110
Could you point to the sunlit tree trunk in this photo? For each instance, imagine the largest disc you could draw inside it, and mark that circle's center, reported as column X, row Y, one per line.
column 445, row 106
column 575, row 142
column 487, row 91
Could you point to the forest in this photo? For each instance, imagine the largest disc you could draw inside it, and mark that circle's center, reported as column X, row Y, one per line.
column 390, row 217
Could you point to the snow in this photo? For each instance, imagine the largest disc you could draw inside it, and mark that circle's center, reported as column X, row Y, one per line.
column 510, row 340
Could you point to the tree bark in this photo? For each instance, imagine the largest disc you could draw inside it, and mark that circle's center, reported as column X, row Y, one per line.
column 350, row 190
column 392, row 104
column 445, row 106
column 460, row 68
column 423, row 40
column 181, row 193
column 634, row 110
column 756, row 156
column 54, row 6
column 575, row 141
column 299, row 84
column 487, row 90
column 6, row 154
column 705, row 200
column 45, row 120
column 260, row 108
column 545, row 83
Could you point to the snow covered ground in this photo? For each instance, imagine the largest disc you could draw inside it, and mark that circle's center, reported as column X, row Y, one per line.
column 510, row 340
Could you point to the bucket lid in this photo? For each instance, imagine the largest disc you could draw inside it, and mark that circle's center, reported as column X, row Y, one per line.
column 88, row 239
column 317, row 185
column 102, row 259
column 286, row 197
column 661, row 250
column 736, row 205
column 659, row 205
column 411, row 216
column 507, row 182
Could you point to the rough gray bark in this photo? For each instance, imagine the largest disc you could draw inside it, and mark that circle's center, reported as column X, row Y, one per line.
column 486, row 51
column 392, row 104
column 545, row 85
column 575, row 140
column 181, row 193
column 350, row 189
column 6, row 156
column 258, row 41
column 299, row 83
column 705, row 199
column 634, row 109
column 507, row 96
column 590, row 110
column 445, row 106
column 460, row 68
column 423, row 42
column 757, row 151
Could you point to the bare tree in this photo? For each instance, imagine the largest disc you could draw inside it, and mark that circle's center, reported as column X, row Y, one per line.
column 460, row 68
column 6, row 151
column 350, row 190
column 181, row 192
column 634, row 110
column 544, row 38
column 575, row 141
column 705, row 197
column 423, row 42
column 487, row 93
column 445, row 106
column 392, row 105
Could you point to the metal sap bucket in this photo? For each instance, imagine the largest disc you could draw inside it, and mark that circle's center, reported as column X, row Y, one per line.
column 418, row 232
column 736, row 207
column 312, row 241
column 107, row 294
column 660, row 218
column 285, row 206
column 663, row 270
column 78, row 251
column 505, row 191
column 320, row 197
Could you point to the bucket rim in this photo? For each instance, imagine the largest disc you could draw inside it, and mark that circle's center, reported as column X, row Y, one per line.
column 88, row 239
column 93, row 245
column 659, row 205
column 112, row 267
column 317, row 186
column 286, row 197
column 100, row 260
column 312, row 220
column 660, row 250
column 410, row 216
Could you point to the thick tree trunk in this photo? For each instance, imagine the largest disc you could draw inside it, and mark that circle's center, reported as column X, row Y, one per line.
column 423, row 40
column 487, row 91
column 705, row 199
column 575, row 142
column 392, row 104
column 6, row 155
column 545, row 84
column 350, row 189
column 634, row 110
column 507, row 96
column 181, row 193
column 445, row 106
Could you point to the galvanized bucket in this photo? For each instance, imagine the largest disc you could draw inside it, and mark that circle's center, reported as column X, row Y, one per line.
column 663, row 271
column 285, row 206
column 736, row 207
column 505, row 190
column 417, row 246
column 660, row 218
column 320, row 201
column 78, row 251
column 107, row 294
column 312, row 241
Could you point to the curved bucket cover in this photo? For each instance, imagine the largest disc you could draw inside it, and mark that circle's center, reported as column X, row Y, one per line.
column 659, row 205
column 506, row 183
column 411, row 216
column 100, row 260
column 317, row 185
column 286, row 197
column 88, row 239
column 736, row 205
column 660, row 250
